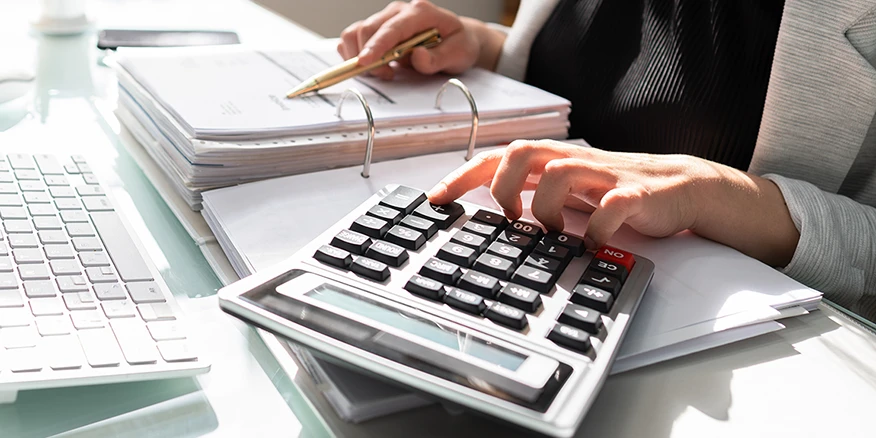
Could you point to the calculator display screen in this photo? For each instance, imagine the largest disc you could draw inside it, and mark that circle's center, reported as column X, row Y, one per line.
column 417, row 326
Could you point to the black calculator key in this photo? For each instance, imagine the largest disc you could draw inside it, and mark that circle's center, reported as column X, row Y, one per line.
column 458, row 254
column 333, row 256
column 533, row 278
column 480, row 229
column 544, row 263
column 442, row 215
column 570, row 337
column 466, row 301
column 515, row 239
column 370, row 226
column 601, row 280
column 406, row 237
column 581, row 317
column 592, row 297
column 440, row 270
column 425, row 287
column 404, row 198
column 479, row 283
column 520, row 297
column 550, row 249
column 574, row 244
column 351, row 241
column 370, row 268
column 389, row 253
column 527, row 228
column 390, row 215
column 506, row 315
column 425, row 226
column 495, row 266
column 478, row 243
column 507, row 251
column 490, row 218
column 616, row 270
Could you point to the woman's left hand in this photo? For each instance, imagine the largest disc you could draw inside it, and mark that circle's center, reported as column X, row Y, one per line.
column 657, row 195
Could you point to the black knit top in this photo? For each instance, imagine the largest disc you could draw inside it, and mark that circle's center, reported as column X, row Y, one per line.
column 661, row 76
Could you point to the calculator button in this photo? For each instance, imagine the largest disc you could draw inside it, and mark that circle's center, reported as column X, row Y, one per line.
column 495, row 266
column 391, row 254
column 570, row 337
column 478, row 243
column 440, row 270
column 488, row 231
column 370, row 268
column 592, row 297
column 506, row 315
column 465, row 301
column 520, row 297
column 550, row 249
column 533, row 278
column 601, row 280
column 390, row 215
column 351, row 241
column 506, row 251
column 458, row 254
column 574, row 244
column 544, row 263
column 515, row 239
column 527, row 228
column 425, row 287
column 406, row 237
column 404, row 198
column 581, row 317
column 490, row 218
column 425, row 226
column 479, row 283
column 616, row 270
column 370, row 226
column 615, row 255
column 442, row 215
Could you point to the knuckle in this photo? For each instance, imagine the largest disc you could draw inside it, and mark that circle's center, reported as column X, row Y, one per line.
column 520, row 149
column 562, row 168
column 395, row 6
column 422, row 4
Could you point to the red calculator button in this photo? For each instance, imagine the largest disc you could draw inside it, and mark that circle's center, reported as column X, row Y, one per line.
column 612, row 254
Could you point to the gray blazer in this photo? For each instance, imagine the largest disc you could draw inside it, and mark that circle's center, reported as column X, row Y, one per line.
column 817, row 138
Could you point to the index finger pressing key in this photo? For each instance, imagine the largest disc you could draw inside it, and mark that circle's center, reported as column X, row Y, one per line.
column 474, row 173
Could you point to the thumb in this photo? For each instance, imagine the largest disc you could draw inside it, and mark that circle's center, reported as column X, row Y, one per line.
column 454, row 55
column 615, row 207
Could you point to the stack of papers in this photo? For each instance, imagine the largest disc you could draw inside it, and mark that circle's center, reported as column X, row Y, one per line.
column 218, row 116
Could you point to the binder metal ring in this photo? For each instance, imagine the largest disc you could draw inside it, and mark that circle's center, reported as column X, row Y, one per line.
column 369, row 147
column 473, row 134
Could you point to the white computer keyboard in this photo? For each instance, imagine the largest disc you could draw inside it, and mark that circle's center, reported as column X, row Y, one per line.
column 79, row 302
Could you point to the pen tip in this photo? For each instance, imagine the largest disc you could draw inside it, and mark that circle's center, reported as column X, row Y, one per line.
column 305, row 87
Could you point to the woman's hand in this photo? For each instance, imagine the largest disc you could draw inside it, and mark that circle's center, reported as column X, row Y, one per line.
column 657, row 195
column 465, row 42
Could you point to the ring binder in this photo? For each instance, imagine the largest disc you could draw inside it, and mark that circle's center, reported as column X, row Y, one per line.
column 473, row 135
column 369, row 147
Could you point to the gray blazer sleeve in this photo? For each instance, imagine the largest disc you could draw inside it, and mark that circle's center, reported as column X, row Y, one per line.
column 837, row 249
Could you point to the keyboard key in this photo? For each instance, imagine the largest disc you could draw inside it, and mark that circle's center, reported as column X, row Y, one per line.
column 79, row 301
column 605, row 282
column 22, row 360
column 56, row 252
column 514, row 239
column 334, row 256
column 457, row 254
column 479, row 283
column 385, row 252
column 19, row 337
column 442, row 215
column 41, row 210
column 100, row 347
column 125, row 255
column 37, row 198
column 442, row 271
column 370, row 268
column 63, row 352
column 520, row 297
column 65, row 267
column 6, row 176
column 54, row 325
column 8, row 280
column 49, row 237
column 574, row 244
column 83, row 167
column 87, row 319
column 62, row 192
column 90, row 190
column 10, row 201
column 10, row 298
column 71, row 168
column 119, row 309
column 56, row 180
column 145, row 292
column 65, row 204
column 71, row 216
column 109, row 291
column 47, row 223
column 28, row 255
column 48, row 164
column 615, row 255
column 616, row 270
column 15, row 317
column 592, row 297
column 86, row 244
column 25, row 175
column 533, row 278
column 570, row 337
column 465, row 301
column 494, row 265
column 546, row 248
column 23, row 241
column 137, row 345
column 17, row 226
column 351, row 241
column 490, row 218
column 529, row 229
column 78, row 159
column 478, row 243
column 390, row 215
column 104, row 274
column 21, row 161
column 176, row 351
column 544, row 263
column 46, row 306
column 33, row 271
column 406, row 237
column 156, row 312
column 425, row 287
column 370, row 226
column 506, row 315
column 581, row 317
column 95, row 259
column 165, row 330
column 6, row 264
column 425, row 226
column 80, row 230
column 71, row 283
column 404, row 198
column 39, row 289
column 4, row 250
column 488, row 231
column 7, row 188
column 13, row 213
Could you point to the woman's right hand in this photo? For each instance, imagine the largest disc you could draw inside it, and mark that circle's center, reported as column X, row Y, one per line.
column 465, row 42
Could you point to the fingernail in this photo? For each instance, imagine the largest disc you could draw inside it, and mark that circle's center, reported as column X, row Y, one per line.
column 438, row 191
column 589, row 243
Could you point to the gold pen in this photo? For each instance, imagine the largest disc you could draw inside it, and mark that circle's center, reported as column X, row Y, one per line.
column 351, row 67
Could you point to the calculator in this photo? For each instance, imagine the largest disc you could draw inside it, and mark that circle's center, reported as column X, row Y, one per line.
column 457, row 302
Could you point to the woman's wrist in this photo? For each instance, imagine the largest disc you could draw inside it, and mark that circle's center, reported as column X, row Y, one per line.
column 489, row 40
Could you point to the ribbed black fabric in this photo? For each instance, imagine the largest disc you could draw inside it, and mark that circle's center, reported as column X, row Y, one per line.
column 661, row 76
